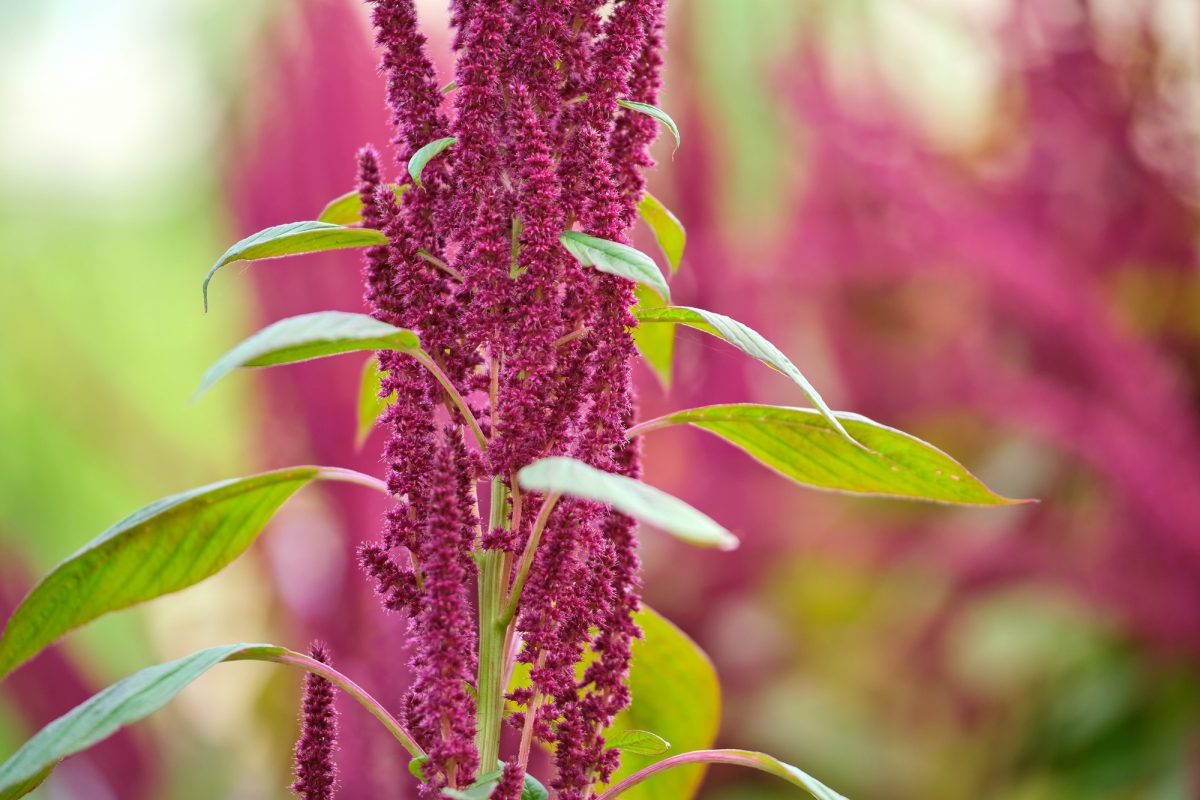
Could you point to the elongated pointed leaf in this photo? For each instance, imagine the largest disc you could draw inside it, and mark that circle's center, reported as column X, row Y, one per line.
column 744, row 338
column 800, row 444
column 421, row 158
column 370, row 405
column 741, row 758
column 675, row 694
column 169, row 545
column 141, row 694
column 638, row 742
column 25, row 787
column 657, row 113
column 309, row 336
column 293, row 238
column 121, row 704
column 656, row 343
column 616, row 259
column 655, row 507
column 347, row 209
column 668, row 230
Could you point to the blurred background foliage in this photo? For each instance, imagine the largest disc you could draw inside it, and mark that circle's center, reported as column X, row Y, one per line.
column 972, row 219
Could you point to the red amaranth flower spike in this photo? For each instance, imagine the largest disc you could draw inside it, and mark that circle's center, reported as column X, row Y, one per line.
column 316, row 773
column 512, row 782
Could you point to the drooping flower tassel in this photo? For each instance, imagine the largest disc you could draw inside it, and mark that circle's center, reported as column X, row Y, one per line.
column 316, row 773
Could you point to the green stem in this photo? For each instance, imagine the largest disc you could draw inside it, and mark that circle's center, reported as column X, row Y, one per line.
column 535, row 536
column 349, row 687
column 493, row 576
column 428, row 363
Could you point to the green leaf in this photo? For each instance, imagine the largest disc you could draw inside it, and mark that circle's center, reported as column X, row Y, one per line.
column 673, row 689
column 656, row 343
column 291, row 239
column 616, row 259
column 370, row 404
column 744, row 338
column 793, row 775
column 121, row 704
column 800, row 444
column 676, row 693
column 309, row 336
column 417, row 767
column 166, row 546
column 741, row 758
column 25, row 787
column 421, row 158
column 653, row 111
column 347, row 209
column 642, row 743
column 482, row 788
column 143, row 693
column 668, row 230
column 533, row 789
column 569, row 476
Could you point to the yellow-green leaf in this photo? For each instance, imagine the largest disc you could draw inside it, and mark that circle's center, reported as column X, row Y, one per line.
column 675, row 694
column 166, row 546
column 421, row 158
column 370, row 404
column 668, row 230
column 656, row 343
column 800, row 444
column 616, row 259
column 655, row 112
column 744, row 338
column 347, row 209
column 291, row 239
column 562, row 475
column 309, row 336
column 141, row 694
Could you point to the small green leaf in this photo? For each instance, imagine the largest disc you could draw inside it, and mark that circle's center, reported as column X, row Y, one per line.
column 309, row 336
column 642, row 743
column 121, row 704
column 653, row 111
column 533, row 789
column 569, row 476
column 166, row 546
column 421, row 158
column 482, row 788
column 656, row 343
column 370, row 404
column 668, row 230
column 800, row 444
column 744, row 338
column 449, row 87
column 676, row 693
column 291, row 239
column 347, row 209
column 417, row 767
column 616, row 259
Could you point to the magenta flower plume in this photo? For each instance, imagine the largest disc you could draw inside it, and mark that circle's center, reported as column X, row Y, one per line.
column 540, row 349
column 440, row 710
column 316, row 773
column 512, row 781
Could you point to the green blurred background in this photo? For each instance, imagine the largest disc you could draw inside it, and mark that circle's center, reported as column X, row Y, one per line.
column 895, row 651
